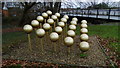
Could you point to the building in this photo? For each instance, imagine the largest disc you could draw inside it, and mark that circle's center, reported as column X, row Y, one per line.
column 5, row 11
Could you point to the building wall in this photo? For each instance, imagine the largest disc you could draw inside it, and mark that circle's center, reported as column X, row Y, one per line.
column 5, row 13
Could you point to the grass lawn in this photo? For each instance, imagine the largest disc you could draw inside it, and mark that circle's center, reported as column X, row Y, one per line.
column 104, row 31
column 107, row 31
column 13, row 37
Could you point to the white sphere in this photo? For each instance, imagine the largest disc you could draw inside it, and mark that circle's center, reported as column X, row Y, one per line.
column 54, row 17
column 66, row 16
column 84, row 46
column 74, row 19
column 84, row 25
column 49, row 12
column 28, row 28
column 72, row 27
column 40, row 18
column 84, row 22
column 50, row 21
column 71, row 33
column 58, row 29
column 84, row 37
column 54, row 36
column 68, row 41
column 45, row 15
column 84, row 30
column 46, row 26
column 40, row 32
column 73, row 23
column 61, row 24
column 35, row 23
column 57, row 14
column 63, row 19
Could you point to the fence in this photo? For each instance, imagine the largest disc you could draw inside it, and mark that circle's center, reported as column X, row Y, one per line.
column 96, row 13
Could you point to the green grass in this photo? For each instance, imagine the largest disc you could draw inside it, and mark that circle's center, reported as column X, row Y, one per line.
column 107, row 32
column 83, row 55
column 116, row 47
column 104, row 31
column 13, row 37
column 15, row 66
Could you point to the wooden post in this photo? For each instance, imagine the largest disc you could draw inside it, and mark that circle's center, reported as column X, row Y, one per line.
column 109, row 13
column 82, row 12
column 54, row 46
column 88, row 12
column 97, row 13
column 42, row 46
column 29, row 42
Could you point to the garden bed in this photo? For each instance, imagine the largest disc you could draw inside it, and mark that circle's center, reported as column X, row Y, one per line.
column 93, row 57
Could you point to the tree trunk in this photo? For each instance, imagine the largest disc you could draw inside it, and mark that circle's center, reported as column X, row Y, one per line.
column 56, row 7
column 22, row 21
column 25, row 12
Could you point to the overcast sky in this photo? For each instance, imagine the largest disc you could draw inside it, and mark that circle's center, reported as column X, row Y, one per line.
column 61, row 0
column 97, row 1
column 74, row 5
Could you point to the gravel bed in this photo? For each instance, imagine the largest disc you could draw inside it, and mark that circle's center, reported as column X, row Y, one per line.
column 95, row 57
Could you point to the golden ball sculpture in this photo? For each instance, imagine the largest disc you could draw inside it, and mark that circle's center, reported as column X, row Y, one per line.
column 54, row 36
column 28, row 28
column 84, row 30
column 74, row 19
column 84, row 46
column 35, row 23
column 63, row 20
column 84, row 22
column 68, row 41
column 73, row 23
column 45, row 15
column 71, row 33
column 40, row 32
column 46, row 26
column 58, row 29
column 84, row 26
column 40, row 18
column 61, row 24
column 66, row 16
column 49, row 12
column 50, row 21
column 72, row 27
column 84, row 37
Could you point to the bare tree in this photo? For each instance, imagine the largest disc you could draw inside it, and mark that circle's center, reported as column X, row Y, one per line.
column 43, row 6
column 56, row 7
column 27, row 6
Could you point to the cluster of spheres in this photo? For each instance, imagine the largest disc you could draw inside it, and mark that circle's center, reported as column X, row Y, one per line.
column 84, row 45
column 52, row 26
